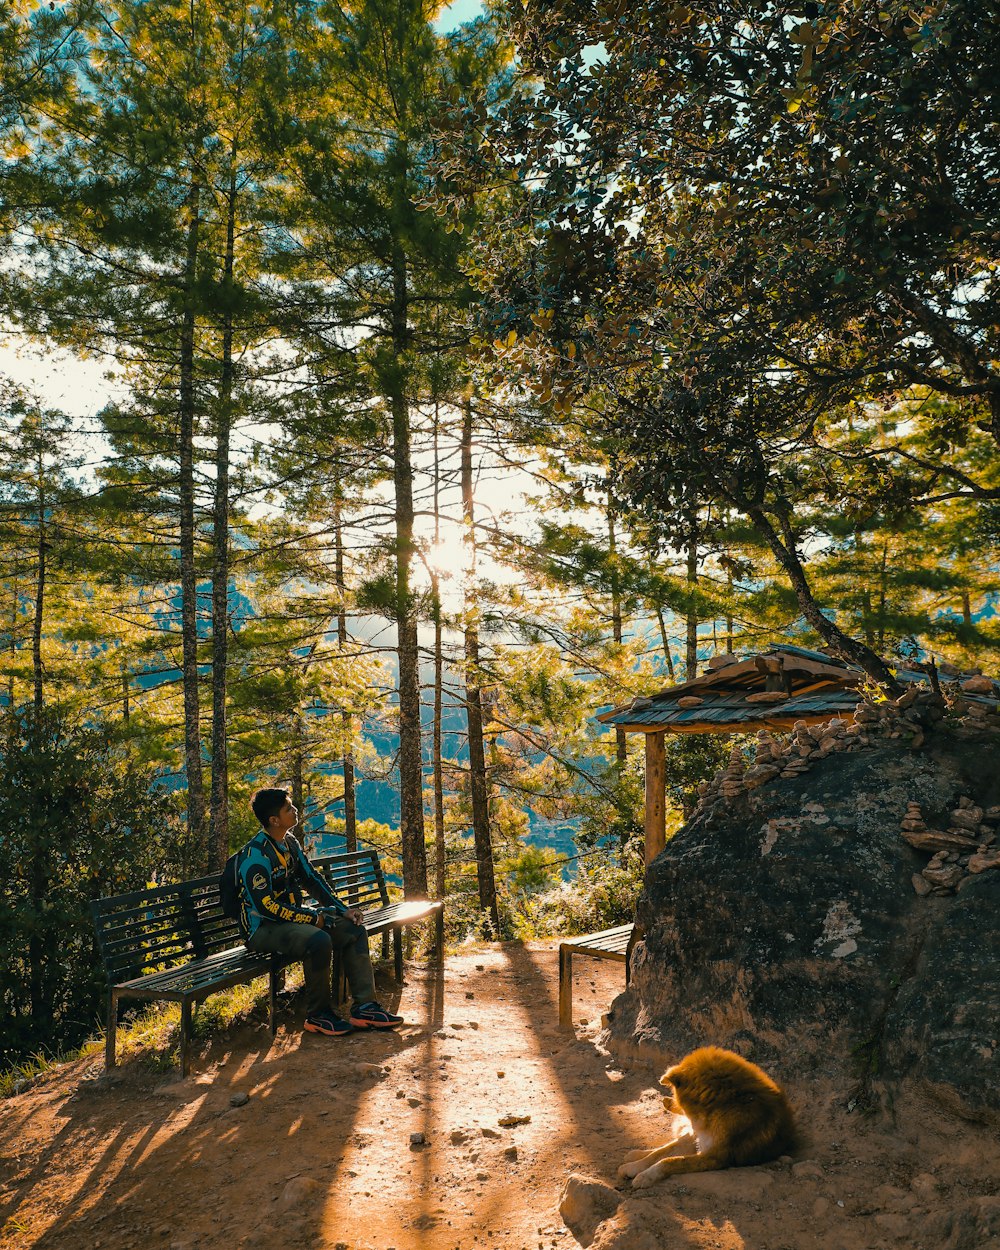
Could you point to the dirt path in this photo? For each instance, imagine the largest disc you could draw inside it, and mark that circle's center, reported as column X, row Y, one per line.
column 321, row 1155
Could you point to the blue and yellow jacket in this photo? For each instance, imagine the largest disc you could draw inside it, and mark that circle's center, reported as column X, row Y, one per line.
column 273, row 877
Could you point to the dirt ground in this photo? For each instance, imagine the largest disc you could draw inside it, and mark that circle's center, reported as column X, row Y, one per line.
column 322, row 1154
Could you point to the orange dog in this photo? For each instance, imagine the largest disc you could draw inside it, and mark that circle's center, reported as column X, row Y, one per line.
column 738, row 1116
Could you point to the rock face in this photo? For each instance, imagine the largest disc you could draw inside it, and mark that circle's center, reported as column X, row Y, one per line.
column 782, row 922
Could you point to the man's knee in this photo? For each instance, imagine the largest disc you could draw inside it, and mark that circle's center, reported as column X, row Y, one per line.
column 319, row 949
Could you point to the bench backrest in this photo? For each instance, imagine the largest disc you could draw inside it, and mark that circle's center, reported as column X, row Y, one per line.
column 355, row 877
column 161, row 928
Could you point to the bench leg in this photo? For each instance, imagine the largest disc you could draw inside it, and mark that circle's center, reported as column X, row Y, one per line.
column 397, row 951
column 439, row 934
column 565, row 987
column 112, row 1033
column 185, row 1038
column 339, row 980
column 272, row 998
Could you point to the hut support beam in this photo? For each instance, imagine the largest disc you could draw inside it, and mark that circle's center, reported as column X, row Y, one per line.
column 656, row 782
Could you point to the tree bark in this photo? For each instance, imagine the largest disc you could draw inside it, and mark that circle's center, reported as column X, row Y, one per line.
column 621, row 752
column 297, row 769
column 847, row 648
column 14, row 604
column 219, row 836
column 883, row 594
column 440, row 883
column 347, row 761
column 691, row 649
column 411, row 798
column 189, row 581
column 37, row 672
column 478, row 788
column 665, row 641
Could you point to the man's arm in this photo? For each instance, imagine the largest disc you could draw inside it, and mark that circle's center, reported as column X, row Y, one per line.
column 312, row 880
column 255, row 875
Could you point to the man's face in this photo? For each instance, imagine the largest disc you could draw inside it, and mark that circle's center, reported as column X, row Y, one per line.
column 286, row 819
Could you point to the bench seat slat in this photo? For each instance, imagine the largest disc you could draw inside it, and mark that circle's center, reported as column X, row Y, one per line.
column 398, row 913
column 191, row 984
column 609, row 941
column 223, row 961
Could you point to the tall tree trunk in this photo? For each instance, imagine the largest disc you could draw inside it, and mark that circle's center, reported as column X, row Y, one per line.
column 189, row 580
column 665, row 641
column 219, row 837
column 478, row 788
column 15, row 601
column 866, row 617
column 347, row 762
column 36, row 625
column 436, row 761
column 966, row 608
column 782, row 543
column 691, row 650
column 621, row 752
column 298, row 766
column 883, row 593
column 411, row 797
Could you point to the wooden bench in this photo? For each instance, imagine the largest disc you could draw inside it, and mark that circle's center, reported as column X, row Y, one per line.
column 615, row 944
column 173, row 943
column 357, row 879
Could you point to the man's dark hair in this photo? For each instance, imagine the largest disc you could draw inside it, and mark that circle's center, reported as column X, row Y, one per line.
column 267, row 803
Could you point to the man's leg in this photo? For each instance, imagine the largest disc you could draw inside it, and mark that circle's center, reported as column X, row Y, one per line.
column 305, row 942
column 352, row 942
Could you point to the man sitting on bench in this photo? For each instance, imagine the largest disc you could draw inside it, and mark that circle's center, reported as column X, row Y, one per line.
column 273, row 873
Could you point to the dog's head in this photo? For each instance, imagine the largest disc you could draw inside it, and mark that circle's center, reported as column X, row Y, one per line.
column 672, row 1081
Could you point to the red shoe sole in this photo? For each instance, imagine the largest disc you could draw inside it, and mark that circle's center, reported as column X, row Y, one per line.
column 315, row 1028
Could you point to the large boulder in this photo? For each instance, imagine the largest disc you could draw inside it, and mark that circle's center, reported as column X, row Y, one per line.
column 783, row 922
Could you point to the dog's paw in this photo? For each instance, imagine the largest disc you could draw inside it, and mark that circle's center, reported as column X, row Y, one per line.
column 643, row 1180
column 633, row 1155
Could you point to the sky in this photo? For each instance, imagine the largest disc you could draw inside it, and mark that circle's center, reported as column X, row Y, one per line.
column 453, row 15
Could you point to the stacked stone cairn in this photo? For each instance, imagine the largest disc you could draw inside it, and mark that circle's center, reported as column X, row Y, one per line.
column 971, row 705
column 966, row 847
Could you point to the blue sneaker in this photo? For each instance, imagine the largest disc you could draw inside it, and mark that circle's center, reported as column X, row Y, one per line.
column 372, row 1016
column 328, row 1023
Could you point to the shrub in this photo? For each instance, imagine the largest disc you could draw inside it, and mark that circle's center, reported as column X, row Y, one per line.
column 80, row 817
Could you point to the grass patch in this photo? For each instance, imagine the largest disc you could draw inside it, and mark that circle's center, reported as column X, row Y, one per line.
column 17, row 1078
column 152, row 1035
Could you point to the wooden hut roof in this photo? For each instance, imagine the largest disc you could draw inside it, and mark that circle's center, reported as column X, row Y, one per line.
column 770, row 690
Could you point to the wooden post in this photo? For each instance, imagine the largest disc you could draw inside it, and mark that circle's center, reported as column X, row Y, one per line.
column 656, row 825
column 565, row 986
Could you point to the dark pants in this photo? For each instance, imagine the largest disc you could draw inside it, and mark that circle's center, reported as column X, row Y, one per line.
column 315, row 948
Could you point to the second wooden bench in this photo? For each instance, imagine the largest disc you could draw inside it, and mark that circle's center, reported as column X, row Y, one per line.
column 614, row 944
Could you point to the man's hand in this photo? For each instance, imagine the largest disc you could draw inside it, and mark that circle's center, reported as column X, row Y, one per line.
column 355, row 915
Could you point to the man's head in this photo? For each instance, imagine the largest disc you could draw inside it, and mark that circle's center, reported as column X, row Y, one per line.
column 269, row 807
